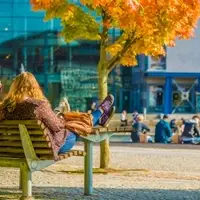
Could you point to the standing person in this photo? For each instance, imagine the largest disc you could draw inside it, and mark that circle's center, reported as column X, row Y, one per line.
column 163, row 131
column 134, row 116
column 25, row 101
column 182, row 125
column 139, row 128
column 173, row 126
column 191, row 133
column 123, row 118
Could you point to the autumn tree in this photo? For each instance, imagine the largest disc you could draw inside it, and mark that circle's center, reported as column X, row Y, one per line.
column 146, row 26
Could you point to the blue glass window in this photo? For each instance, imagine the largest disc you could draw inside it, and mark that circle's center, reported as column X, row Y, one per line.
column 30, row 24
column 57, row 24
column 24, row 9
column 5, row 24
column 17, row 34
column 19, row 24
column 4, row 36
column 5, row 9
column 20, row 1
column 29, row 39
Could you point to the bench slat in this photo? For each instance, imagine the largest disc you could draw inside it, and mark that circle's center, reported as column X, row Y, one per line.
column 10, row 141
column 42, row 144
column 17, row 138
column 16, row 131
column 20, row 150
column 64, row 156
column 72, row 153
column 45, row 157
column 12, row 155
column 25, row 122
column 112, row 129
column 19, row 144
column 15, row 126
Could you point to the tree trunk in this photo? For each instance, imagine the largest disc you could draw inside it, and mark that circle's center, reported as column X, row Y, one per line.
column 102, row 82
column 103, row 91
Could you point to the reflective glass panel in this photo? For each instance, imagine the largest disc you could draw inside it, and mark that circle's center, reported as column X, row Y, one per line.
column 5, row 24
column 5, row 9
column 24, row 9
column 5, row 36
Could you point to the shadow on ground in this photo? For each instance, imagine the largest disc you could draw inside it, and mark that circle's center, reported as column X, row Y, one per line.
column 62, row 193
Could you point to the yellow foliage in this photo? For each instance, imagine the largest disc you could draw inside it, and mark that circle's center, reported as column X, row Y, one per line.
column 114, row 49
column 147, row 25
column 44, row 4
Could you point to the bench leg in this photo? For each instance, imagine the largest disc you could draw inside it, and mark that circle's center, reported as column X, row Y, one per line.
column 26, row 182
column 88, row 185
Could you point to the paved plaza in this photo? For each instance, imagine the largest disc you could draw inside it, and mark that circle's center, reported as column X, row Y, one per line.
column 149, row 174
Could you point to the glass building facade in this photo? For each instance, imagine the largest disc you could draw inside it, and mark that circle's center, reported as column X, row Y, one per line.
column 70, row 70
column 63, row 70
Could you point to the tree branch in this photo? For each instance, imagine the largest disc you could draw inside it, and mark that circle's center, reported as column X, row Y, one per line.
column 111, row 64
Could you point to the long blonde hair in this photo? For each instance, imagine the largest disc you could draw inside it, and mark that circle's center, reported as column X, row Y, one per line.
column 22, row 85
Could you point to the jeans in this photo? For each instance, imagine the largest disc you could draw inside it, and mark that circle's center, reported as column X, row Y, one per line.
column 194, row 140
column 72, row 137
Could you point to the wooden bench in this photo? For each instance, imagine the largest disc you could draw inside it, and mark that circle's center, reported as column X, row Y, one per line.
column 24, row 144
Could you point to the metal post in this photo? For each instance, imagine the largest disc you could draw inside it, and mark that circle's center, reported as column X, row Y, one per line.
column 88, row 164
column 26, row 182
column 168, row 96
column 145, row 113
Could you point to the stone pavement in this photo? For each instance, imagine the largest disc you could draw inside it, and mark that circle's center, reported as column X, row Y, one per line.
column 149, row 174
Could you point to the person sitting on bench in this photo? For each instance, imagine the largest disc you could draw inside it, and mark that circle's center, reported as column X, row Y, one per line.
column 25, row 101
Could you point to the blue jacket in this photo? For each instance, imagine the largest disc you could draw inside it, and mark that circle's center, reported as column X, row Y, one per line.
column 163, row 132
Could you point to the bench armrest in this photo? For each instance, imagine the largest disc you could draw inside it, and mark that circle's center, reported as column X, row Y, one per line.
column 34, row 163
column 97, row 137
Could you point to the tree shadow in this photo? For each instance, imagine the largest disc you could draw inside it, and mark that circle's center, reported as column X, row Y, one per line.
column 64, row 193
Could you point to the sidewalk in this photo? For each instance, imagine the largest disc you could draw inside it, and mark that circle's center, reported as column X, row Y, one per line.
column 154, row 174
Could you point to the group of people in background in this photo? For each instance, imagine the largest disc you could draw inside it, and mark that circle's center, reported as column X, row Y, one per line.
column 188, row 131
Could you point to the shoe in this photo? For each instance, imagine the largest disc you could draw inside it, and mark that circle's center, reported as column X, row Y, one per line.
column 63, row 107
column 107, row 103
column 106, row 117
